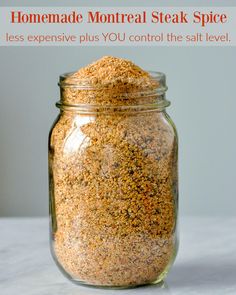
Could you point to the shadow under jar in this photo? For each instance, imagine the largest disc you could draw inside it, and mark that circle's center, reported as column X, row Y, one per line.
column 114, row 186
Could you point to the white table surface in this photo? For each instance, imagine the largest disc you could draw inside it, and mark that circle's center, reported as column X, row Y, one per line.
column 206, row 263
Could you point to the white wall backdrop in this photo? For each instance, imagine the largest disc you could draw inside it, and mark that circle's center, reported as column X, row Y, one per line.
column 202, row 91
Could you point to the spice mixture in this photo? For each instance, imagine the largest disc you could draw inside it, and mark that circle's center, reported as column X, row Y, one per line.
column 113, row 179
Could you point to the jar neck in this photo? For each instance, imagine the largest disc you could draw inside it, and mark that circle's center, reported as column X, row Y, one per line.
column 127, row 96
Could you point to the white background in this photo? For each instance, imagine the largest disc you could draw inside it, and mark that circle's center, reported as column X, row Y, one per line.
column 201, row 84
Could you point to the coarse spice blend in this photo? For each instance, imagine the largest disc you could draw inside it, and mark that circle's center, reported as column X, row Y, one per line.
column 113, row 176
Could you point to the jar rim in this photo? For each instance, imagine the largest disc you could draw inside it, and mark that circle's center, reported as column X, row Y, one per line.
column 149, row 96
column 156, row 76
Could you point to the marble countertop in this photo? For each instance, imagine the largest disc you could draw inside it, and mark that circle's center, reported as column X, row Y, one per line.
column 206, row 263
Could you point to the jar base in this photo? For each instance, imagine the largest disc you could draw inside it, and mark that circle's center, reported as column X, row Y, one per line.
column 159, row 283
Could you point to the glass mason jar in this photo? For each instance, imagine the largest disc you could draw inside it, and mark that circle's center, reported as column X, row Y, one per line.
column 114, row 187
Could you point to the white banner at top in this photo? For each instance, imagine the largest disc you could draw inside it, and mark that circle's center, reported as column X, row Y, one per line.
column 118, row 26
